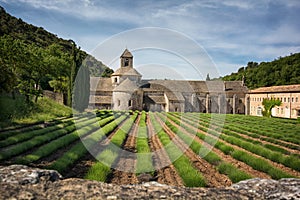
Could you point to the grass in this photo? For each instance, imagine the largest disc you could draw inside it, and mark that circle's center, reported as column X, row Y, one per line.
column 256, row 163
column 260, row 164
column 41, row 139
column 190, row 176
column 232, row 172
column 49, row 148
column 144, row 156
column 242, row 131
column 101, row 170
column 276, row 156
column 79, row 150
column 25, row 135
column 16, row 112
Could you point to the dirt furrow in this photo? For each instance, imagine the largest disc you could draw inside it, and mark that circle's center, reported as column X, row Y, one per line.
column 108, row 137
column 212, row 176
column 80, row 168
column 295, row 151
column 285, row 142
column 127, row 159
column 165, row 172
column 227, row 158
column 266, row 142
column 277, row 165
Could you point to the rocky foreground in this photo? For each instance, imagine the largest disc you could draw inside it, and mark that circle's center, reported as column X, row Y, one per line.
column 22, row 182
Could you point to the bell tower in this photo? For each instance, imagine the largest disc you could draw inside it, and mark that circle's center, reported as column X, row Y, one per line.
column 126, row 59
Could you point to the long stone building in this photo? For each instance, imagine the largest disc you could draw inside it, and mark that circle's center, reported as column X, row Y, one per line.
column 289, row 95
column 126, row 90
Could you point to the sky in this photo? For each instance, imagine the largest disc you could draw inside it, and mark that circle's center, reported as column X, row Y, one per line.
column 172, row 39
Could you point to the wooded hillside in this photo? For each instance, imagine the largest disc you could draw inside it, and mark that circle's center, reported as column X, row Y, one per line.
column 281, row 71
column 32, row 60
column 30, row 34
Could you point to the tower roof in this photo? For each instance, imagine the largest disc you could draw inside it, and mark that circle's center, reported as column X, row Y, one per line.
column 126, row 54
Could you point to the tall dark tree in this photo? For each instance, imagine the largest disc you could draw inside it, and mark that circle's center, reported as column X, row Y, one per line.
column 81, row 91
column 207, row 77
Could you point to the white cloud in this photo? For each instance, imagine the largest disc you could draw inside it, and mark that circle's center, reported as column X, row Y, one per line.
column 238, row 4
column 226, row 68
column 232, row 30
column 81, row 9
column 284, row 34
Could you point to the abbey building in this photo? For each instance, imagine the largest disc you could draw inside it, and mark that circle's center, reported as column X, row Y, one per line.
column 126, row 90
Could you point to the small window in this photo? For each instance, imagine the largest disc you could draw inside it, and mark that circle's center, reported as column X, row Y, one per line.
column 116, row 80
column 130, row 103
column 296, row 99
column 288, row 99
column 292, row 99
column 119, row 102
column 259, row 111
column 126, row 62
column 284, row 99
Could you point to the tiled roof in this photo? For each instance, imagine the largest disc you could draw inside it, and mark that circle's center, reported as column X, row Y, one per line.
column 155, row 99
column 126, row 54
column 126, row 86
column 126, row 71
column 235, row 86
column 276, row 89
column 171, row 85
column 174, row 96
column 100, row 84
column 197, row 86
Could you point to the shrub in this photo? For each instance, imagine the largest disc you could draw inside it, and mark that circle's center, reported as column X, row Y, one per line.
column 232, row 172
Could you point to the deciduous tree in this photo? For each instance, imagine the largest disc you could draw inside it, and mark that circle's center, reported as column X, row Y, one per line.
column 268, row 105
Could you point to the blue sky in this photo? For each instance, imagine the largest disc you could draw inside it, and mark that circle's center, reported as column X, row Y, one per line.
column 231, row 32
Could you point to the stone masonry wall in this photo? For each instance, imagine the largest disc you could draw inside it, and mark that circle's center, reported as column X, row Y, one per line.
column 22, row 182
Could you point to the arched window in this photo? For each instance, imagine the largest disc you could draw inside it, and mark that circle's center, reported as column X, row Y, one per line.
column 259, row 111
column 126, row 62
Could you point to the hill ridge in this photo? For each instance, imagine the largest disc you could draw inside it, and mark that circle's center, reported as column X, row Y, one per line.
column 281, row 71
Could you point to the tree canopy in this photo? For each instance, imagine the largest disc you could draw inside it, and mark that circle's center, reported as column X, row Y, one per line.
column 268, row 105
column 282, row 71
column 32, row 59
